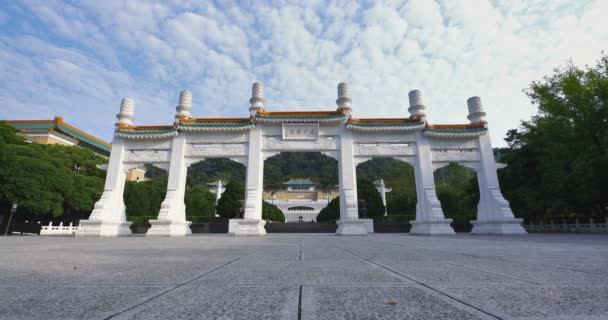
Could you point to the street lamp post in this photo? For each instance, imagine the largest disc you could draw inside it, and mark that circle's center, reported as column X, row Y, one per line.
column 8, row 225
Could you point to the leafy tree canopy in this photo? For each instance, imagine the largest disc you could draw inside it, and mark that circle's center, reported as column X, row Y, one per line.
column 558, row 161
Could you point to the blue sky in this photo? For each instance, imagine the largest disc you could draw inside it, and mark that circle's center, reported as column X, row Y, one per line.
column 77, row 59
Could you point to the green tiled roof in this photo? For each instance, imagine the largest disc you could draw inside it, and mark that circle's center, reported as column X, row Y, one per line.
column 301, row 116
column 83, row 140
column 299, row 182
column 136, row 132
column 386, row 124
column 215, row 124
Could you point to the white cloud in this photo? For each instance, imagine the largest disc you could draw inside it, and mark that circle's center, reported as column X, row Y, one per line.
column 79, row 59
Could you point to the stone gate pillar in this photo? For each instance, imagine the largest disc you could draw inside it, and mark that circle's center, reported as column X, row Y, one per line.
column 430, row 219
column 252, row 223
column 349, row 223
column 171, row 219
column 494, row 215
column 108, row 217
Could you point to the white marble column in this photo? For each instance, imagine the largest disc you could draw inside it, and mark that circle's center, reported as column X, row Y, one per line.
column 349, row 223
column 429, row 215
column 108, row 217
column 252, row 223
column 494, row 215
column 430, row 219
column 172, row 216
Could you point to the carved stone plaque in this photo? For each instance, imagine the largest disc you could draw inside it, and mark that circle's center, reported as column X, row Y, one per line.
column 300, row 131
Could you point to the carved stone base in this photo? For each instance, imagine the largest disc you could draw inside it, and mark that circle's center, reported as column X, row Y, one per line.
column 431, row 228
column 96, row 228
column 169, row 228
column 507, row 226
column 351, row 228
column 246, row 227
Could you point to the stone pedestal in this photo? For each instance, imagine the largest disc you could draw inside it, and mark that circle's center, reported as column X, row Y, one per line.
column 351, row 228
column 438, row 227
column 169, row 228
column 507, row 226
column 246, row 227
column 96, row 228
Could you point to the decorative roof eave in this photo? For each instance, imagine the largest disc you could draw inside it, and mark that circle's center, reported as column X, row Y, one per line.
column 386, row 124
column 145, row 132
column 356, row 127
column 199, row 129
column 215, row 124
column 146, row 135
column 456, row 131
column 300, row 116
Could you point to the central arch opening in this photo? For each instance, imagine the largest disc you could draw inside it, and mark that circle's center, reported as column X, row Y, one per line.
column 299, row 185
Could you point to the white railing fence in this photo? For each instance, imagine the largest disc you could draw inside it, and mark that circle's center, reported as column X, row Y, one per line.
column 52, row 230
column 565, row 227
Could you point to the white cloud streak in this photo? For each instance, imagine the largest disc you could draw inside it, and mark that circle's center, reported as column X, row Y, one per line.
column 78, row 59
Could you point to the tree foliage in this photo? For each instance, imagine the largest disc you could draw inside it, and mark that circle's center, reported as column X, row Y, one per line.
column 331, row 212
column 314, row 165
column 558, row 161
column 458, row 192
column 143, row 198
column 41, row 178
column 272, row 213
column 200, row 202
column 229, row 205
column 368, row 195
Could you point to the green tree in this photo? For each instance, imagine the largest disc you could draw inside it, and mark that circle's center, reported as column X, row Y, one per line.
column 143, row 198
column 42, row 180
column 557, row 163
column 331, row 212
column 272, row 212
column 200, row 202
column 367, row 192
column 229, row 205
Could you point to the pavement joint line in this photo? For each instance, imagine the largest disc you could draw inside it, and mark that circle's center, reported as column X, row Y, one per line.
column 428, row 287
column 300, row 303
column 494, row 273
column 171, row 289
column 552, row 267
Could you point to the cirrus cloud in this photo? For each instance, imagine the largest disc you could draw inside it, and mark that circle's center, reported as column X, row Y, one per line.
column 78, row 59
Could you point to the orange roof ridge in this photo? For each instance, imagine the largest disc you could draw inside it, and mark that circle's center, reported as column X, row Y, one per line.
column 28, row 121
column 60, row 121
column 299, row 113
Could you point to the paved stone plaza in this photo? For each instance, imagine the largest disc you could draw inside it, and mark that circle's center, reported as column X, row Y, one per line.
column 305, row 276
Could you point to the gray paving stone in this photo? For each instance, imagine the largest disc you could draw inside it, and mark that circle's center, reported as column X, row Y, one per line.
column 598, row 266
column 514, row 277
column 221, row 302
column 70, row 302
column 380, row 302
column 301, row 274
column 437, row 271
column 533, row 273
column 536, row 302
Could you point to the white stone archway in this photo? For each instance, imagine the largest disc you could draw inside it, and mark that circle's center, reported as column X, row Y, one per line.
column 334, row 133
